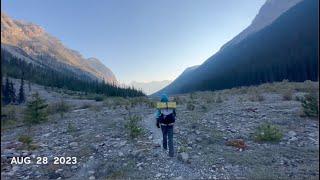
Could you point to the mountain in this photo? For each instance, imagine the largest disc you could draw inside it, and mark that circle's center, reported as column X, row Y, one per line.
column 150, row 87
column 176, row 85
column 31, row 43
column 269, row 12
column 285, row 49
column 104, row 71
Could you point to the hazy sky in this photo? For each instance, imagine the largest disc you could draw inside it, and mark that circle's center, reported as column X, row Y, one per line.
column 141, row 40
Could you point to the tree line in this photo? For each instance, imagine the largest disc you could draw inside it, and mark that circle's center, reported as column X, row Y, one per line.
column 9, row 95
column 15, row 67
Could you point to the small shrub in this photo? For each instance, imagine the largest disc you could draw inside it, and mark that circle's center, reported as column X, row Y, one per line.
column 8, row 115
column 256, row 97
column 182, row 149
column 96, row 108
column 190, row 106
column 268, row 132
column 310, row 105
column 98, row 98
column 27, row 142
column 133, row 126
column 204, row 107
column 25, row 139
column 71, row 127
column 85, row 106
column 60, row 107
column 287, row 95
column 120, row 101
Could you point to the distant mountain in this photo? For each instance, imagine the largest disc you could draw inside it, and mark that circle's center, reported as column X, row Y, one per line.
column 31, row 43
column 150, row 87
column 285, row 49
column 269, row 12
column 178, row 83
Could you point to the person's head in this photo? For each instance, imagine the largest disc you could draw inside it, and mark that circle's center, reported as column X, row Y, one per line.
column 164, row 98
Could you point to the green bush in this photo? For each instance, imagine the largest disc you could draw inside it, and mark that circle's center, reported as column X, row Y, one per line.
column 310, row 105
column 133, row 127
column 25, row 139
column 98, row 98
column 60, row 107
column 27, row 142
column 268, row 132
column 36, row 111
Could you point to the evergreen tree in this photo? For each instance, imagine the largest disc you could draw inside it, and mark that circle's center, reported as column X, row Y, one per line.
column 6, row 89
column 36, row 111
column 21, row 98
column 12, row 93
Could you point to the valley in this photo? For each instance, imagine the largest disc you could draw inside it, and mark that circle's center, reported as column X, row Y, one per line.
column 97, row 133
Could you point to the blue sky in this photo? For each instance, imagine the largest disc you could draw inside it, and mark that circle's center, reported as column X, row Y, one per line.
column 141, row 40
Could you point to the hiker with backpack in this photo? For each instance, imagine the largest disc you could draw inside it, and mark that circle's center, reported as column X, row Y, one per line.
column 165, row 120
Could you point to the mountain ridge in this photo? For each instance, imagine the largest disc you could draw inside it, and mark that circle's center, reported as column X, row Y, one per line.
column 249, row 62
column 39, row 46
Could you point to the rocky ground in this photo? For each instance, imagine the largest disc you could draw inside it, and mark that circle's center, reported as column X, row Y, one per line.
column 96, row 133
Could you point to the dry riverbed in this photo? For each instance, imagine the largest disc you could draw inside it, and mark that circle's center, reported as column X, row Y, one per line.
column 96, row 134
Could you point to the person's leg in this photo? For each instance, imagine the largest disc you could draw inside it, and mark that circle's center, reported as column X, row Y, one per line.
column 170, row 138
column 164, row 137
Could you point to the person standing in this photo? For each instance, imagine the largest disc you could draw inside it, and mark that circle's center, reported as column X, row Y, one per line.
column 165, row 120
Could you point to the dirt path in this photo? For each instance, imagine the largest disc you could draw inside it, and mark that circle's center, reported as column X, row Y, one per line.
column 180, row 169
column 150, row 124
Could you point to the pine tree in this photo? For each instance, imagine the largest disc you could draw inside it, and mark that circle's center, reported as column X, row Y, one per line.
column 12, row 93
column 36, row 111
column 6, row 89
column 21, row 98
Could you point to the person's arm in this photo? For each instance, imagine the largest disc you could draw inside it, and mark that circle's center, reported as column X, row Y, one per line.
column 158, row 118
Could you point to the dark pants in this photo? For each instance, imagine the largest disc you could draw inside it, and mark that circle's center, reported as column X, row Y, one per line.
column 167, row 138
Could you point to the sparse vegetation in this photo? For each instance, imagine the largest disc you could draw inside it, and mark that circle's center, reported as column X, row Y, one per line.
column 71, row 127
column 219, row 99
column 60, row 107
column 255, row 96
column 96, row 108
column 132, row 126
column 310, row 105
column 287, row 95
column 268, row 132
column 98, row 98
column 27, row 142
column 192, row 95
column 85, row 106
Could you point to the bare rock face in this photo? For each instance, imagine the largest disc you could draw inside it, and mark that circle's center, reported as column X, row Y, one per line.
column 32, row 40
column 269, row 12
